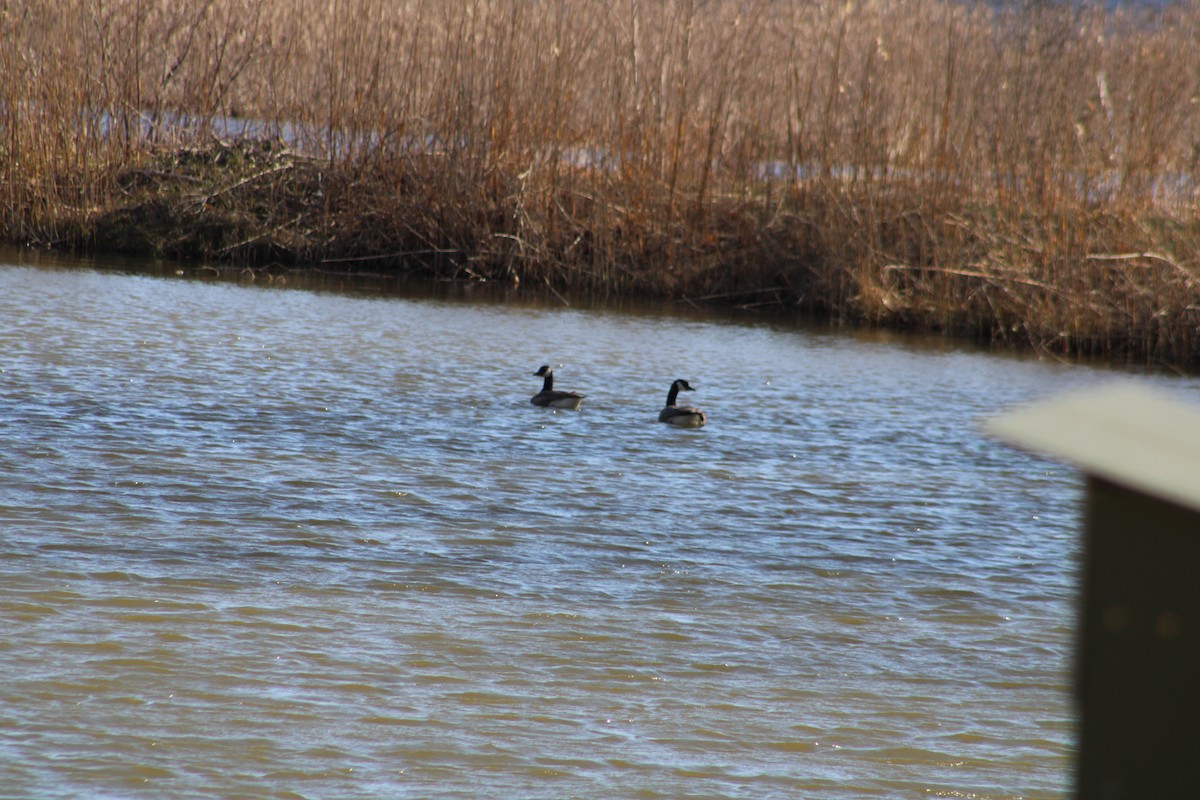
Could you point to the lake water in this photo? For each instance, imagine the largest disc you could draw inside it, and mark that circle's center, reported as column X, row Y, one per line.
column 297, row 543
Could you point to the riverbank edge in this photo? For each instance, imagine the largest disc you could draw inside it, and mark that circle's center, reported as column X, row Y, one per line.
column 1073, row 281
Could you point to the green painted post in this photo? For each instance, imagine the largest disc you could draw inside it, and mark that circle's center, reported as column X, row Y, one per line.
column 1138, row 670
column 1137, row 677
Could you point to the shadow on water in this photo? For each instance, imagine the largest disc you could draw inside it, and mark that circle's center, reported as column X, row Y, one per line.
column 467, row 292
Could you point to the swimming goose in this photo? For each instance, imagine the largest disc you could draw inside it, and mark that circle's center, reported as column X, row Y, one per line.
column 549, row 397
column 681, row 416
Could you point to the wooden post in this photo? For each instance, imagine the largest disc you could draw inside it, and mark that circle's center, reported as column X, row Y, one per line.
column 1138, row 662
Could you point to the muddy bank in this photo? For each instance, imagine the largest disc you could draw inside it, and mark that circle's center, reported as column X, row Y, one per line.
column 1080, row 283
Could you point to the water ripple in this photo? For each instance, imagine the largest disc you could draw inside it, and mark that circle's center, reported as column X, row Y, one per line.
column 241, row 559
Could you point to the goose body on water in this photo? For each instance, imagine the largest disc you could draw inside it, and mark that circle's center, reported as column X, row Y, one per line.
column 681, row 416
column 549, row 397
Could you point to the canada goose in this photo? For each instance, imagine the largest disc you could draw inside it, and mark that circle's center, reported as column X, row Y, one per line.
column 549, row 397
column 681, row 416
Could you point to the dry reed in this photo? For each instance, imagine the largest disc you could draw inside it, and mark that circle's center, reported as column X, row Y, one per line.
column 1027, row 175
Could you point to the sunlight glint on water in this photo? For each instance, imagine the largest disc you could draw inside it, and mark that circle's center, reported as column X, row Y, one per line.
column 282, row 543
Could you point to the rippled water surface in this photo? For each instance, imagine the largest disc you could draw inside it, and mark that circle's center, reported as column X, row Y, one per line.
column 261, row 542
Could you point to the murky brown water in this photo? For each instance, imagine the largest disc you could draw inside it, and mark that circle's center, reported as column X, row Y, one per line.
column 283, row 543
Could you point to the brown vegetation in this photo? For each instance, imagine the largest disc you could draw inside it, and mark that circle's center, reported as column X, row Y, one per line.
column 1027, row 175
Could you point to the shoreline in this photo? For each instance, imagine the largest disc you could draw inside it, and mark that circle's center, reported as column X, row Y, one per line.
column 255, row 204
column 1026, row 175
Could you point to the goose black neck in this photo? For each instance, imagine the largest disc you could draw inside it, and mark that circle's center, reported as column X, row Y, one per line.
column 548, row 381
column 672, row 394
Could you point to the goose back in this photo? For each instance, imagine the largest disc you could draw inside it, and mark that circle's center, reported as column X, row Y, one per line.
column 549, row 397
column 681, row 416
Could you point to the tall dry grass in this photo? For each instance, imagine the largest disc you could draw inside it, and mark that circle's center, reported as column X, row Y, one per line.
column 1027, row 174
